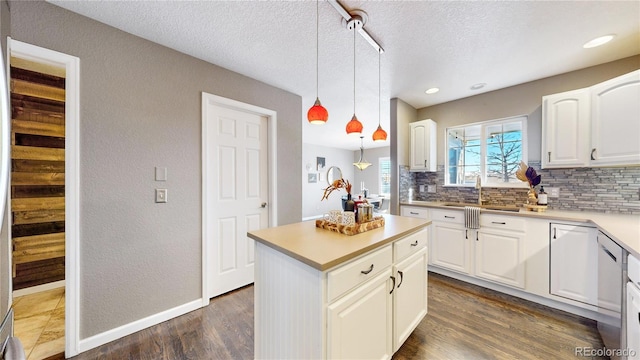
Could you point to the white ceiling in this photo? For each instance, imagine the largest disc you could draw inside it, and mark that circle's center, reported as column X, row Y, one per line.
column 445, row 44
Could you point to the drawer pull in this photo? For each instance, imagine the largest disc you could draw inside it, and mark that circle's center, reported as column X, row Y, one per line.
column 400, row 272
column 592, row 151
column 499, row 222
column 413, row 213
column 393, row 287
column 449, row 217
column 415, row 243
column 366, row 272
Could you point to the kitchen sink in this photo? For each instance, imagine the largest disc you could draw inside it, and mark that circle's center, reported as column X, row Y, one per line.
column 511, row 208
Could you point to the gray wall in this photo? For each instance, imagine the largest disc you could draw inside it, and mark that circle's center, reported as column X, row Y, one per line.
column 312, row 192
column 140, row 108
column 523, row 99
column 370, row 174
column 401, row 114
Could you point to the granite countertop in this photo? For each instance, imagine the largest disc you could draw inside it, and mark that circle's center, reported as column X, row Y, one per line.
column 323, row 249
column 621, row 228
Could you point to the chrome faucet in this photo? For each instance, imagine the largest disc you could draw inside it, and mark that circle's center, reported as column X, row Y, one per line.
column 479, row 187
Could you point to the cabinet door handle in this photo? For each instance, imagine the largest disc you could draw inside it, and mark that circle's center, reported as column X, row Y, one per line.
column 415, row 243
column 367, row 271
column 609, row 253
column 592, row 151
column 477, row 239
column 400, row 272
column 413, row 213
column 449, row 217
column 549, row 156
column 499, row 222
column 393, row 287
column 466, row 234
column 554, row 233
column 425, row 163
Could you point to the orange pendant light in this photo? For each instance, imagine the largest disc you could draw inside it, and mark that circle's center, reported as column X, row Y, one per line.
column 354, row 126
column 379, row 134
column 317, row 114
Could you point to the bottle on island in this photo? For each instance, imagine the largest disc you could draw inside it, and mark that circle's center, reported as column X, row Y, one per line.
column 542, row 197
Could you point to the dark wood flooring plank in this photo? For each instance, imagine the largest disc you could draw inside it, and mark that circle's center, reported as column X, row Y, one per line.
column 464, row 322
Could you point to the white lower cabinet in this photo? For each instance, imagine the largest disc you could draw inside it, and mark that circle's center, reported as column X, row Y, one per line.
column 574, row 262
column 410, row 296
column 451, row 244
column 374, row 318
column 500, row 250
column 360, row 323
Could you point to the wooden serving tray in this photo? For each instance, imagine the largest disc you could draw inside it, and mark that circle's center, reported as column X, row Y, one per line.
column 538, row 208
column 377, row 222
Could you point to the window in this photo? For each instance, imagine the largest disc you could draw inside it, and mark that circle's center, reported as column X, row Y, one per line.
column 492, row 150
column 384, row 175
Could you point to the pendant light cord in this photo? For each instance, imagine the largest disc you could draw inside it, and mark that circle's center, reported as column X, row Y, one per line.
column 317, row 51
column 379, row 98
column 354, row 70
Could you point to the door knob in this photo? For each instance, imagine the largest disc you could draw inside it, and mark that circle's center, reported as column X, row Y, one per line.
column 263, row 205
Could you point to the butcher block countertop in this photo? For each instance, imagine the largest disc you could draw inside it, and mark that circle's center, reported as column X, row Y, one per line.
column 323, row 249
column 623, row 229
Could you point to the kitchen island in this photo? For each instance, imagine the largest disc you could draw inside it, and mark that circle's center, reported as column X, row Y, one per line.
column 321, row 294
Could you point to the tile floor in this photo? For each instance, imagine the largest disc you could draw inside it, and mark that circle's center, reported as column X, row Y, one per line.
column 39, row 323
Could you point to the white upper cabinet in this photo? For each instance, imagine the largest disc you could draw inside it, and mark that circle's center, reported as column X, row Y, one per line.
column 596, row 126
column 615, row 123
column 565, row 131
column 423, row 143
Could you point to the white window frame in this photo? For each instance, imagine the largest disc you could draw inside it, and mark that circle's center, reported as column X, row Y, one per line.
column 483, row 151
column 380, row 160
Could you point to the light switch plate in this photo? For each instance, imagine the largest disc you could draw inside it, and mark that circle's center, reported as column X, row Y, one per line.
column 421, row 188
column 161, row 195
column 161, row 173
column 431, row 188
column 554, row 192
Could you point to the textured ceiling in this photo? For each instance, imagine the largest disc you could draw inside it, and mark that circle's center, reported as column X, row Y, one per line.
column 446, row 44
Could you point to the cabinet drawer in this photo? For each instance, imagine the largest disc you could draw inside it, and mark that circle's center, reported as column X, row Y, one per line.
column 410, row 245
column 417, row 212
column 357, row 271
column 502, row 222
column 451, row 216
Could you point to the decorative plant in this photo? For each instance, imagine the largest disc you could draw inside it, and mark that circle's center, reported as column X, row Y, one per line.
column 336, row 185
column 528, row 174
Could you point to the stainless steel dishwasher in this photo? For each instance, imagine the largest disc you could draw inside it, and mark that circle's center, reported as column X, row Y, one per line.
column 612, row 274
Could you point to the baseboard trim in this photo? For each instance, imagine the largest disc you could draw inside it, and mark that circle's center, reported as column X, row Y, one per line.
column 38, row 288
column 128, row 329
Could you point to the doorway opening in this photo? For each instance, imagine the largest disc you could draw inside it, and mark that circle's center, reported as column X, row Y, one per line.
column 37, row 205
column 44, row 198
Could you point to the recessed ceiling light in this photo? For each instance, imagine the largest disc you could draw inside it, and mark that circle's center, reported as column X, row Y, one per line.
column 477, row 86
column 598, row 41
column 432, row 91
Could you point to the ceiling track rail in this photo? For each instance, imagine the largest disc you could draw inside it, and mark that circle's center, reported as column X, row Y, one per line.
column 348, row 17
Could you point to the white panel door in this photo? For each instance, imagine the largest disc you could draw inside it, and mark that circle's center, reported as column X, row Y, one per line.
column 360, row 323
column 574, row 263
column 615, row 114
column 565, row 129
column 237, row 193
column 410, row 302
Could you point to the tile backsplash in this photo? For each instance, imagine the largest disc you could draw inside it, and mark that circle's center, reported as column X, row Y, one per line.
column 606, row 189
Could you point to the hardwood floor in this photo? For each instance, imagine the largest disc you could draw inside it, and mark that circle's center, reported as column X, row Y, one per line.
column 464, row 322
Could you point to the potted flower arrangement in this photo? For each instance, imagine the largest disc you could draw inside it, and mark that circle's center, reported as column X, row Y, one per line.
column 340, row 184
column 528, row 174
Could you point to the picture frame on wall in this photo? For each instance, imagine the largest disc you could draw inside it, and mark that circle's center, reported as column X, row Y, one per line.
column 320, row 162
column 312, row 177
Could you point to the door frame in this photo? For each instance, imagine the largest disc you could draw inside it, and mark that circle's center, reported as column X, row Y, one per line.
column 272, row 121
column 72, row 178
